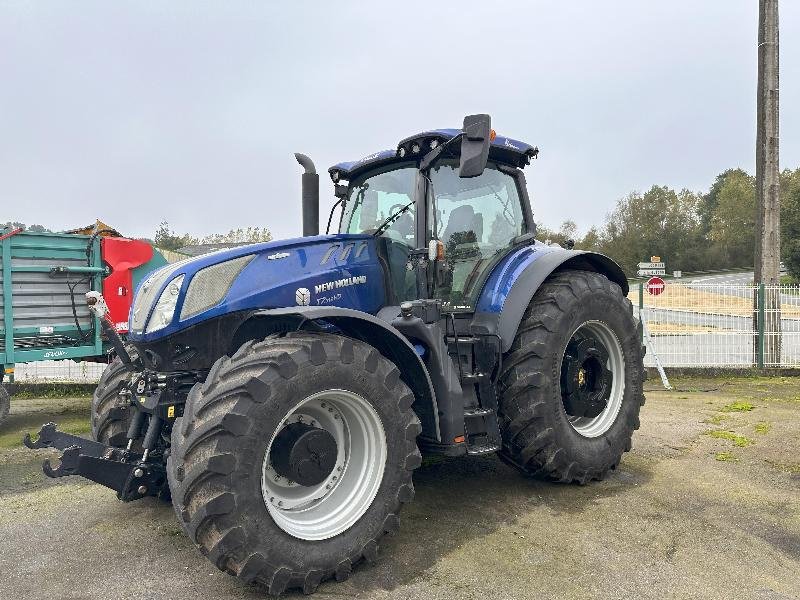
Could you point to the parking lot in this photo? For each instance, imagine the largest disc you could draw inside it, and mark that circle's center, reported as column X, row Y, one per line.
column 707, row 505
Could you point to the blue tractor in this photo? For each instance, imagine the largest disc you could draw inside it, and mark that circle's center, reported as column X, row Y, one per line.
column 282, row 394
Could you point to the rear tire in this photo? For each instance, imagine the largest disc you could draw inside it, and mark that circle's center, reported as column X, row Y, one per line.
column 5, row 404
column 111, row 412
column 221, row 470
column 551, row 431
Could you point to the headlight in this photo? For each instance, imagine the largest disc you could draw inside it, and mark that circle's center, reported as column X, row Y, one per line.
column 165, row 307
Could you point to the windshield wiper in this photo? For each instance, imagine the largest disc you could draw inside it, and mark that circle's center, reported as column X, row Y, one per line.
column 391, row 219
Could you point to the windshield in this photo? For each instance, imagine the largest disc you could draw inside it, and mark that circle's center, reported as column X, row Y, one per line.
column 372, row 200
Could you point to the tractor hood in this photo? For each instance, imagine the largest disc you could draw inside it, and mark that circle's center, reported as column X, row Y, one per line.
column 341, row 270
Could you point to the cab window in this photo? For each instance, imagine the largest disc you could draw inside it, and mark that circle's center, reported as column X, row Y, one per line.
column 477, row 219
column 373, row 200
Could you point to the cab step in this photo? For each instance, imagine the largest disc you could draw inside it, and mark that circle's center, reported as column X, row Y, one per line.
column 478, row 412
column 480, row 450
column 472, row 377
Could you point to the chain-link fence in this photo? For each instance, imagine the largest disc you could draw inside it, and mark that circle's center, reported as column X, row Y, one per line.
column 721, row 325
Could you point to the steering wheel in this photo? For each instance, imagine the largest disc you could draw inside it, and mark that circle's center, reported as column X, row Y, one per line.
column 391, row 232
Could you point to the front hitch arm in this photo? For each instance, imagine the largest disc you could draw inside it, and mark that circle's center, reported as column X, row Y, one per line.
column 120, row 470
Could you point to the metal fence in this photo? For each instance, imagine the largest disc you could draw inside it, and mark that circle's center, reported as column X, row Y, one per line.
column 58, row 371
column 719, row 325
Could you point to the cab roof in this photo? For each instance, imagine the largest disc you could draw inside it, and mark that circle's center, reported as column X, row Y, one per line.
column 502, row 149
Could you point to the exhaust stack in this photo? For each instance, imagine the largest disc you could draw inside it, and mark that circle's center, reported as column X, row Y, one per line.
column 310, row 194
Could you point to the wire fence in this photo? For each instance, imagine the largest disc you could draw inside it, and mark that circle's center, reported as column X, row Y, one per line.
column 721, row 325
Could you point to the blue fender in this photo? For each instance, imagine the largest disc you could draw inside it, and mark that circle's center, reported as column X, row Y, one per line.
column 516, row 278
column 374, row 331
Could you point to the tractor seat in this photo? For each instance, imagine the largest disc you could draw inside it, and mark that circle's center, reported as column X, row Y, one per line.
column 466, row 221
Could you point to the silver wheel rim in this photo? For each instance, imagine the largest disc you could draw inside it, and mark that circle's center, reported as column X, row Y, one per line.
column 333, row 506
column 596, row 426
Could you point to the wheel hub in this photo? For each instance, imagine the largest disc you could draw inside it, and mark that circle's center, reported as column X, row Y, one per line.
column 304, row 454
column 324, row 465
column 586, row 383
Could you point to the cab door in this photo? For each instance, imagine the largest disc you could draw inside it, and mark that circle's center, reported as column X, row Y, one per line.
column 477, row 219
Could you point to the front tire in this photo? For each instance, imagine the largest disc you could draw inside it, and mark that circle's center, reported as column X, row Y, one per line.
column 111, row 412
column 228, row 477
column 571, row 385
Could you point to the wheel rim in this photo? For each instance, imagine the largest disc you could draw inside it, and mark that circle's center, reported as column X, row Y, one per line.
column 592, row 378
column 326, row 509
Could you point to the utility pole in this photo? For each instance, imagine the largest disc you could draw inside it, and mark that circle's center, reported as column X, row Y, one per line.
column 767, row 250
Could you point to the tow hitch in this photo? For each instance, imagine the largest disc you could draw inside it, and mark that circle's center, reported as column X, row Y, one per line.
column 124, row 471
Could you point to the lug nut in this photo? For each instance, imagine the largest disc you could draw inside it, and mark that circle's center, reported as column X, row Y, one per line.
column 142, row 490
column 138, row 473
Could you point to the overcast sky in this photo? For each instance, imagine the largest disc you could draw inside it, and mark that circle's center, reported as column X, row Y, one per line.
column 190, row 111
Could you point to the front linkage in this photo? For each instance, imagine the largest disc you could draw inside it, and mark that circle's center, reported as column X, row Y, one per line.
column 122, row 470
column 156, row 399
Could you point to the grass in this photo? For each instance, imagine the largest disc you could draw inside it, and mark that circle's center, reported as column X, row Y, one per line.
column 762, row 427
column 739, row 441
column 26, row 391
column 715, row 419
column 738, row 406
column 75, row 425
column 725, row 457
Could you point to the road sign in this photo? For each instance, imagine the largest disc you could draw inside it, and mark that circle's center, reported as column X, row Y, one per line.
column 655, row 285
column 655, row 259
column 652, row 265
column 677, row 274
column 649, row 272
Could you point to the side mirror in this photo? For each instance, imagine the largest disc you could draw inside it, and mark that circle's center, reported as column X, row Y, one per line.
column 475, row 145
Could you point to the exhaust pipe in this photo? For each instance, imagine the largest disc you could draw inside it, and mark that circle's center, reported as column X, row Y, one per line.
column 310, row 195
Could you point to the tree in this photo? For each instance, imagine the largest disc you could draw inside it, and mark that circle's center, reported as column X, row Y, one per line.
column 168, row 240
column 591, row 241
column 16, row 225
column 567, row 231
column 240, row 236
column 659, row 222
column 732, row 232
column 790, row 221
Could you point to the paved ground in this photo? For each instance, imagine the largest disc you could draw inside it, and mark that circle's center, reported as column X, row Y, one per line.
column 687, row 515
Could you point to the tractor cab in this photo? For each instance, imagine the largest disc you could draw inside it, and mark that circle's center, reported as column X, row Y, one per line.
column 459, row 207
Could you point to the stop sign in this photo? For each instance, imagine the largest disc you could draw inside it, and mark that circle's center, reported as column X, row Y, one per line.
column 655, row 285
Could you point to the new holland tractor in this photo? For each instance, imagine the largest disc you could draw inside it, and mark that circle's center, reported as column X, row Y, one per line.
column 282, row 394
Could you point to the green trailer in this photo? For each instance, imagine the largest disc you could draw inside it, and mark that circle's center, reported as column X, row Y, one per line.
column 43, row 281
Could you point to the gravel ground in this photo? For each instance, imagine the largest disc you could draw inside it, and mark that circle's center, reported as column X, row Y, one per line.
column 689, row 514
